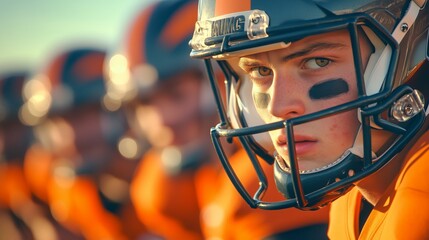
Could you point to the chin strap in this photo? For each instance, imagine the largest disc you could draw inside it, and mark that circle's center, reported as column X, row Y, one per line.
column 348, row 166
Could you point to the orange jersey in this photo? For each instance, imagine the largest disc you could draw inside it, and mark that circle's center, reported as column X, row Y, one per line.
column 76, row 204
column 166, row 203
column 37, row 170
column 227, row 216
column 402, row 212
column 15, row 192
column 73, row 200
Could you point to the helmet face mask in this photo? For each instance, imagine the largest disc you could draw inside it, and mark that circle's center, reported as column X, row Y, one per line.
column 377, row 132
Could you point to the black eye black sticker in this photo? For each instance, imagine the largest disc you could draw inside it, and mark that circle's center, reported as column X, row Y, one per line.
column 261, row 100
column 328, row 89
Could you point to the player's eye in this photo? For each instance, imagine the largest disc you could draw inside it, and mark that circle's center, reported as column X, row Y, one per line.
column 315, row 63
column 256, row 72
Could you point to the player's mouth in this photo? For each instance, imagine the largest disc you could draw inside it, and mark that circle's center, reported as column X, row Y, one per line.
column 303, row 144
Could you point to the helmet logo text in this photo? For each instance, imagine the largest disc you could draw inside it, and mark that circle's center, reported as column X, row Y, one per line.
column 228, row 25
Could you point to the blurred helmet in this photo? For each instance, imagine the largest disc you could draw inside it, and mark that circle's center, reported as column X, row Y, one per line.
column 154, row 53
column 390, row 95
column 71, row 79
column 155, row 48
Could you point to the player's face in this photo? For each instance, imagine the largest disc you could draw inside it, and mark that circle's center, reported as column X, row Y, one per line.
column 170, row 115
column 81, row 129
column 310, row 75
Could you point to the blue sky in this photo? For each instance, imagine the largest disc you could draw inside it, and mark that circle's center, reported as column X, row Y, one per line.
column 32, row 30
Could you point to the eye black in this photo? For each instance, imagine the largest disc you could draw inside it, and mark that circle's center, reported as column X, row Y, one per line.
column 328, row 89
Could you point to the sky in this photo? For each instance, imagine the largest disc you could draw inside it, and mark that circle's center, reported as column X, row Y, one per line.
column 32, row 30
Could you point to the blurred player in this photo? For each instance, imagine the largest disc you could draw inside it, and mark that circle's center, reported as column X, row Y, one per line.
column 20, row 216
column 75, row 142
column 166, row 105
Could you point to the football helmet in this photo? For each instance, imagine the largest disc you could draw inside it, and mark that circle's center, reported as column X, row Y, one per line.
column 153, row 49
column 390, row 94
column 70, row 79
column 152, row 52
column 70, row 86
